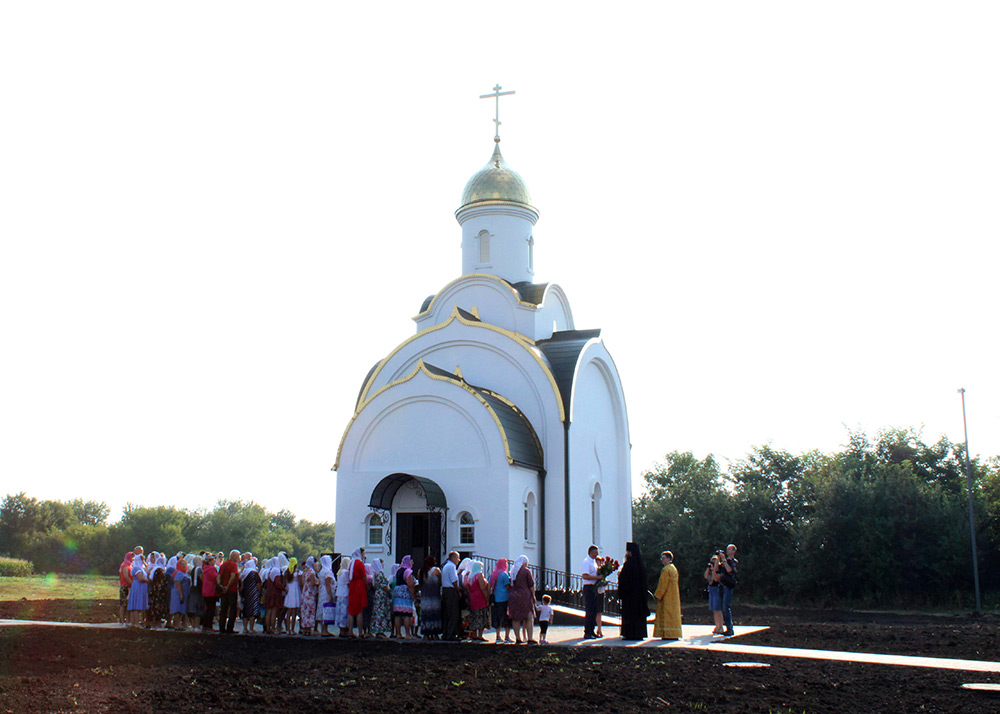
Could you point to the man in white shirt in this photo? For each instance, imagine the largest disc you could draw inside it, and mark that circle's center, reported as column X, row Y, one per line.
column 590, row 595
column 450, row 588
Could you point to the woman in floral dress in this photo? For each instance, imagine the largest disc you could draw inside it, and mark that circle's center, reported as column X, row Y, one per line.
column 307, row 606
column 159, row 593
column 381, row 625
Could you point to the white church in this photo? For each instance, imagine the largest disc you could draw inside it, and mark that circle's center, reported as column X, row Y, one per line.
column 499, row 428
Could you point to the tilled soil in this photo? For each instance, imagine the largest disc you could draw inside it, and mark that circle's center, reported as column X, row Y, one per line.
column 46, row 669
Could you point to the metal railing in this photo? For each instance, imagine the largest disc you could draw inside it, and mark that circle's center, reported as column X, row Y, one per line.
column 564, row 588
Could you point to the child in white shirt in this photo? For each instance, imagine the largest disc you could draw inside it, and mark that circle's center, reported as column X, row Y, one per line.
column 545, row 615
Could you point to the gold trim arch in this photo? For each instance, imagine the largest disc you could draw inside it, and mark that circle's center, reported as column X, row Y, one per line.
column 421, row 368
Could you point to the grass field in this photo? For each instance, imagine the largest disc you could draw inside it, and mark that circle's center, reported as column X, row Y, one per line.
column 53, row 586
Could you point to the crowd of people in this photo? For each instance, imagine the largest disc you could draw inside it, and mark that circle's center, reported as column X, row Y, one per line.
column 355, row 598
column 349, row 598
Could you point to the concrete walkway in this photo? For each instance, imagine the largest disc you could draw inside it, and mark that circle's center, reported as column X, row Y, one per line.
column 696, row 637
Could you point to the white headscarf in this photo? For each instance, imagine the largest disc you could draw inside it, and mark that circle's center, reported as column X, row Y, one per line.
column 376, row 567
column 249, row 567
column 521, row 560
column 161, row 564
column 172, row 563
column 276, row 570
column 282, row 561
column 138, row 566
column 356, row 555
column 344, row 580
column 325, row 568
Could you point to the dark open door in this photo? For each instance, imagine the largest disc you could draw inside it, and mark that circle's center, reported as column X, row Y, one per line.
column 418, row 535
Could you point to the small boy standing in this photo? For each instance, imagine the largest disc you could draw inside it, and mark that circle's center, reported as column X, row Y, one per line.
column 545, row 614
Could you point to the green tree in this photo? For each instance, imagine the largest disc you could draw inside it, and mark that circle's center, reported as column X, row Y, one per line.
column 89, row 513
column 772, row 494
column 687, row 509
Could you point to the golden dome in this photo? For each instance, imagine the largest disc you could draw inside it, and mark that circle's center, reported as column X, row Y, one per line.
column 496, row 182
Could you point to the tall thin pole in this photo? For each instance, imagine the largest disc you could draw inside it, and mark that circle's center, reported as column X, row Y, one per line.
column 972, row 515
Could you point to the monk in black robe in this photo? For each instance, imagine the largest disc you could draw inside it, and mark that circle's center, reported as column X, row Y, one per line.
column 632, row 591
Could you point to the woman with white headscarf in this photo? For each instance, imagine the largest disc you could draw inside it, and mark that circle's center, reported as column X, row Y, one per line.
column 327, row 584
column 479, row 601
column 343, row 594
column 138, row 594
column 381, row 624
column 250, row 594
column 159, row 592
column 274, row 596
column 307, row 600
column 196, row 601
column 521, row 600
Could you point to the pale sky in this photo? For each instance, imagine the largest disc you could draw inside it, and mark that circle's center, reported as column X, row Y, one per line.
column 215, row 217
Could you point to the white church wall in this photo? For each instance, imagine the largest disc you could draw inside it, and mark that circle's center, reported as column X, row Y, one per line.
column 508, row 230
column 423, row 431
column 599, row 456
column 426, row 427
column 496, row 302
column 487, row 359
column 471, row 490
column 523, row 486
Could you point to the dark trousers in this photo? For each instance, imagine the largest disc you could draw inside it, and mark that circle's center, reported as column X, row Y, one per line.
column 590, row 610
column 209, row 617
column 450, row 613
column 227, row 612
column 727, row 608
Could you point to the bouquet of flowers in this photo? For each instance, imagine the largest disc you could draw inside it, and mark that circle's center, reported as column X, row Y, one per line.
column 605, row 567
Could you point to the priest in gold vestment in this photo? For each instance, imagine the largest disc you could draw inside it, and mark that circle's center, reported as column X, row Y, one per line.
column 668, row 601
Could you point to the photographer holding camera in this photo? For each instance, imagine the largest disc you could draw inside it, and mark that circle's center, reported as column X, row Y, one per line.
column 714, row 595
column 727, row 583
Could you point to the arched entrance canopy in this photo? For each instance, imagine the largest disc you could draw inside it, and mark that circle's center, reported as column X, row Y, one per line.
column 386, row 489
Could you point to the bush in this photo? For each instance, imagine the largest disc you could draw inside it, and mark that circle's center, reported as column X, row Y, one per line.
column 15, row 567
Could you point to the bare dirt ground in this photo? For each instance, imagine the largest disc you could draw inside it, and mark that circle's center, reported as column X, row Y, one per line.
column 78, row 670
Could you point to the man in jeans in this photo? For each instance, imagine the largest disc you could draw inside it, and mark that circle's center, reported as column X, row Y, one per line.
column 229, row 583
column 727, row 580
column 590, row 595
column 450, row 588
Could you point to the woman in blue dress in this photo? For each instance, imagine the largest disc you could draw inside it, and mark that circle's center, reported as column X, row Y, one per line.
column 499, row 584
column 138, row 594
column 403, row 595
column 179, row 594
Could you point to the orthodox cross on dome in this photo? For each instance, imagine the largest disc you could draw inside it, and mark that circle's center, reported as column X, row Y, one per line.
column 497, row 94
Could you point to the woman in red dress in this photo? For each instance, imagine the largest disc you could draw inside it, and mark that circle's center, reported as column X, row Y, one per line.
column 357, row 598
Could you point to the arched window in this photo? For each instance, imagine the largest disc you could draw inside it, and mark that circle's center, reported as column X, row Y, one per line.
column 375, row 530
column 529, row 518
column 531, row 255
column 466, row 529
column 595, row 515
column 484, row 246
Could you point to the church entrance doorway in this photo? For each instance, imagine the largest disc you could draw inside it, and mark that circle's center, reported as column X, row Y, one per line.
column 413, row 508
column 418, row 535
